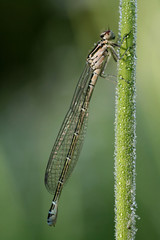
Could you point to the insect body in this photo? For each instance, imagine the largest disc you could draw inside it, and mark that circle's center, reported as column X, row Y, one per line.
column 69, row 141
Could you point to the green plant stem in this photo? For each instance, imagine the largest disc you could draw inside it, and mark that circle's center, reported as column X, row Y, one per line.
column 125, row 124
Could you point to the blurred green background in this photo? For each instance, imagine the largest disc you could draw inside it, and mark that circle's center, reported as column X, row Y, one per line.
column 43, row 47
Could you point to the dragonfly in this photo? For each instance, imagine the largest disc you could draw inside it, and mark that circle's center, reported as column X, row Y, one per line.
column 67, row 147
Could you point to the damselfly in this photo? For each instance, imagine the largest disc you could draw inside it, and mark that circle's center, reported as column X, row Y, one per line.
column 69, row 141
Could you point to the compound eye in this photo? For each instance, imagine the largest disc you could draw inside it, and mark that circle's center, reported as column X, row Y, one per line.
column 102, row 34
column 107, row 35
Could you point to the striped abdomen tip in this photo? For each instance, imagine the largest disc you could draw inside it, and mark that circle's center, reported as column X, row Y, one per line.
column 52, row 215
